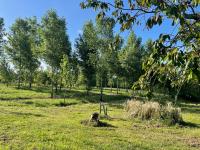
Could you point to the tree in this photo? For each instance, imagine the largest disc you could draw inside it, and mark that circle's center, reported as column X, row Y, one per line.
column 42, row 78
column 171, row 50
column 32, row 62
column 74, row 69
column 6, row 74
column 55, row 43
column 19, row 49
column 131, row 58
column 66, row 72
column 86, row 52
column 107, row 56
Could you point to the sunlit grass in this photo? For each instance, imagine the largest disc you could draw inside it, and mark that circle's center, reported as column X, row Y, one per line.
column 39, row 122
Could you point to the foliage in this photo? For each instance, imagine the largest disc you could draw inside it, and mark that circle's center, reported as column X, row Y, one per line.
column 20, row 48
column 131, row 58
column 6, row 74
column 179, row 51
column 85, row 48
column 66, row 72
column 55, row 43
column 42, row 78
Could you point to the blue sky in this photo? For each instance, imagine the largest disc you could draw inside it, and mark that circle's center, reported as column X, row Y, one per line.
column 69, row 9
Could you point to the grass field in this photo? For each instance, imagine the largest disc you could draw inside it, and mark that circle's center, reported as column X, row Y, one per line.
column 29, row 119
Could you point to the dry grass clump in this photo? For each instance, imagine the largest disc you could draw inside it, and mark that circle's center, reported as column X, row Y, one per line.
column 171, row 114
column 150, row 110
column 153, row 110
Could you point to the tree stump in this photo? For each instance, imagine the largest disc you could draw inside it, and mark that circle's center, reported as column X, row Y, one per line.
column 94, row 117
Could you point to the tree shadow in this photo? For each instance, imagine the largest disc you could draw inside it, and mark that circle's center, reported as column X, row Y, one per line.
column 62, row 104
column 190, row 124
column 190, row 108
column 36, row 89
column 26, row 114
column 96, row 124
column 94, row 97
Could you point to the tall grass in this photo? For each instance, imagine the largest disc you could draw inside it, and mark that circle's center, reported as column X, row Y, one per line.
column 153, row 110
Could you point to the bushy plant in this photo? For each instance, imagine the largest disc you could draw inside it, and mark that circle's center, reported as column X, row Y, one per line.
column 133, row 108
column 150, row 110
column 153, row 110
column 171, row 114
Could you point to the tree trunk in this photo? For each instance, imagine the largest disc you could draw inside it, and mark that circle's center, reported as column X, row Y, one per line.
column 126, row 86
column 19, row 80
column 30, row 85
column 176, row 96
column 20, row 67
column 101, row 94
column 52, row 83
column 30, row 81
column 111, row 86
column 56, row 87
column 64, row 95
column 60, row 88
column 117, row 85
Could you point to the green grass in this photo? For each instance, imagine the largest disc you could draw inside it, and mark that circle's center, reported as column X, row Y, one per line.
column 31, row 120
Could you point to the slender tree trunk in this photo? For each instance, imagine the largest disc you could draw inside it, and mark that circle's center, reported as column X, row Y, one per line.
column 19, row 79
column 60, row 88
column 176, row 96
column 30, row 81
column 111, row 86
column 52, row 76
column 126, row 85
column 117, row 85
column 64, row 95
column 56, row 87
column 101, row 94
column 30, row 85
column 20, row 69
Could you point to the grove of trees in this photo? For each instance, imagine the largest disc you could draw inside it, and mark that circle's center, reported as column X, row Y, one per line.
column 102, row 58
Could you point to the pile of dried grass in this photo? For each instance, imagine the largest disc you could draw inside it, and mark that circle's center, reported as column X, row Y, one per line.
column 153, row 110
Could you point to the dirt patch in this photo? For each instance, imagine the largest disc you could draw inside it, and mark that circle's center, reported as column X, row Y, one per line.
column 192, row 141
column 148, row 126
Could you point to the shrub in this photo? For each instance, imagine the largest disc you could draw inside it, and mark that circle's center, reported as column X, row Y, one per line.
column 153, row 110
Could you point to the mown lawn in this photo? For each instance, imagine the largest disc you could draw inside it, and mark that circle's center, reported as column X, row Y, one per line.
column 31, row 120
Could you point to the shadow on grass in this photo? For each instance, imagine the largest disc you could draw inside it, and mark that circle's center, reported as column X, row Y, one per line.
column 35, row 89
column 26, row 114
column 62, row 104
column 118, row 106
column 190, row 124
column 12, row 99
column 190, row 108
column 96, row 124
column 94, row 97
